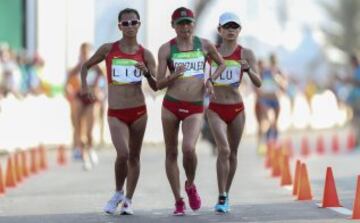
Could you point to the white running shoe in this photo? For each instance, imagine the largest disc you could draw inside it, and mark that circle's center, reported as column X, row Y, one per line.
column 114, row 202
column 87, row 165
column 126, row 208
column 93, row 157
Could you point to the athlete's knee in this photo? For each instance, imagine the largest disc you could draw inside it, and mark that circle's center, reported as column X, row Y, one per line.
column 134, row 158
column 189, row 152
column 171, row 155
column 233, row 155
column 122, row 156
column 224, row 152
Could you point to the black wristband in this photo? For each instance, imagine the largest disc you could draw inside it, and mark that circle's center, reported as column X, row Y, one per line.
column 247, row 70
column 147, row 74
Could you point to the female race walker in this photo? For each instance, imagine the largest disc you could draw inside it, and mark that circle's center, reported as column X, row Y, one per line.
column 226, row 110
column 184, row 56
column 127, row 62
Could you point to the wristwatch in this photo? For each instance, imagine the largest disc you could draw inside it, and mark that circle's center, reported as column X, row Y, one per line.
column 246, row 70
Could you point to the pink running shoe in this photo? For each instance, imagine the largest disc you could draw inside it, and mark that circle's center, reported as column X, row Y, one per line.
column 194, row 198
column 179, row 208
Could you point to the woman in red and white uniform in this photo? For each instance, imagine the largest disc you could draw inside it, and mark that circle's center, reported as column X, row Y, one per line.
column 127, row 63
column 225, row 114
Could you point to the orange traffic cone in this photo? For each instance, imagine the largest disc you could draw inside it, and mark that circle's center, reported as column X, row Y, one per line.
column 285, row 172
column 25, row 166
column 296, row 179
column 276, row 163
column 304, row 192
column 330, row 197
column 305, row 149
column 43, row 157
column 269, row 155
column 61, row 155
column 320, row 148
column 2, row 184
column 351, row 141
column 18, row 167
column 10, row 174
column 335, row 143
column 34, row 166
column 356, row 206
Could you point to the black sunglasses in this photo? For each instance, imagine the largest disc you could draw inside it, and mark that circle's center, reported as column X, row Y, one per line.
column 230, row 25
column 130, row 23
column 184, row 22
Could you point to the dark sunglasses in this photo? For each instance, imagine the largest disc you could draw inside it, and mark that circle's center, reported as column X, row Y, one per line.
column 230, row 25
column 130, row 23
column 184, row 22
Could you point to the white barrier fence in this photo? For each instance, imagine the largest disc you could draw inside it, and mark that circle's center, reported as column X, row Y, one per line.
column 39, row 119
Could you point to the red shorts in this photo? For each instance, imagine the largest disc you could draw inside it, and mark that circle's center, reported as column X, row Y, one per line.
column 227, row 112
column 127, row 115
column 182, row 109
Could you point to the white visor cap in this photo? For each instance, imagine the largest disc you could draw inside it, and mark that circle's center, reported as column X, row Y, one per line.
column 229, row 17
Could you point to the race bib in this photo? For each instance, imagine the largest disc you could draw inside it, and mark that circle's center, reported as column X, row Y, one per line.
column 194, row 63
column 231, row 74
column 123, row 71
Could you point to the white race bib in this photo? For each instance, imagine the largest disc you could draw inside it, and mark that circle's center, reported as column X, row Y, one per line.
column 193, row 61
column 123, row 71
column 231, row 74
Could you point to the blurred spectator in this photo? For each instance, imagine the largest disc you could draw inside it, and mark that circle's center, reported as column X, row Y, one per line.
column 82, row 110
column 11, row 74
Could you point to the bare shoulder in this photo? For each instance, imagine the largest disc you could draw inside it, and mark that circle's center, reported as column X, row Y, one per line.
column 147, row 52
column 164, row 47
column 248, row 53
column 164, row 50
column 105, row 48
column 205, row 42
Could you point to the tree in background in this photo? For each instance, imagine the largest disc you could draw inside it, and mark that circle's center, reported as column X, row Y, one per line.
column 343, row 30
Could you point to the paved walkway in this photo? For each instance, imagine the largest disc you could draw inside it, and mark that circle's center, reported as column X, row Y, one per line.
column 69, row 194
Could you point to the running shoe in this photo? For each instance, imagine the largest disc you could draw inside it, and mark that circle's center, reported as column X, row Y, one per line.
column 126, row 208
column 114, row 202
column 223, row 205
column 93, row 157
column 179, row 208
column 194, row 198
column 87, row 165
column 77, row 154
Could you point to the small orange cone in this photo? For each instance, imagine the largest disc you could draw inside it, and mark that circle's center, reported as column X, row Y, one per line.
column 18, row 167
column 335, row 143
column 34, row 166
column 285, row 172
column 296, row 178
column 61, row 155
column 320, row 147
column 25, row 166
column 351, row 141
column 43, row 157
column 304, row 190
column 330, row 197
column 305, row 149
column 276, row 163
column 356, row 206
column 269, row 155
column 2, row 184
column 10, row 174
